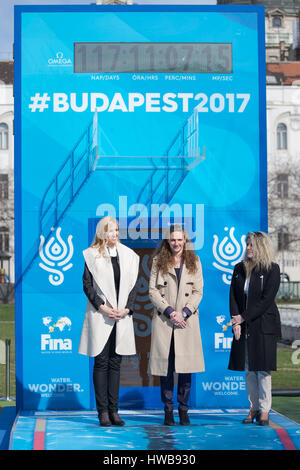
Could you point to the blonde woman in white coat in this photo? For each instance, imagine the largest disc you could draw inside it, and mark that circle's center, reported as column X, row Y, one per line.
column 109, row 282
column 175, row 290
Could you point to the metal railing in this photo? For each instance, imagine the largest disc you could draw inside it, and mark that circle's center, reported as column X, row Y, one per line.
column 181, row 156
column 61, row 192
column 290, row 316
column 67, row 182
column 5, row 359
column 289, row 291
column 275, row 38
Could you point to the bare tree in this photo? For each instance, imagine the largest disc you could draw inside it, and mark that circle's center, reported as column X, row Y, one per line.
column 284, row 207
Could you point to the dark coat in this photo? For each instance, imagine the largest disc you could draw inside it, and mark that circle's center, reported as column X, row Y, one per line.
column 262, row 320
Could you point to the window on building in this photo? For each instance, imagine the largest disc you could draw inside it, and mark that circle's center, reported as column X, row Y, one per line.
column 276, row 21
column 3, row 136
column 3, row 187
column 283, row 238
column 4, row 239
column 283, row 185
column 281, row 136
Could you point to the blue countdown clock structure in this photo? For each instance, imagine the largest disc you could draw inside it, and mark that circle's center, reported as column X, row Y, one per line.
column 154, row 115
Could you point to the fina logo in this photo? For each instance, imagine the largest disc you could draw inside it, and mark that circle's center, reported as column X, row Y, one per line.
column 222, row 342
column 228, row 253
column 60, row 60
column 56, row 255
column 49, row 344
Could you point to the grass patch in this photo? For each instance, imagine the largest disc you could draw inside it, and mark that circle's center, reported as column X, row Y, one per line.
column 287, row 406
column 7, row 331
column 287, row 375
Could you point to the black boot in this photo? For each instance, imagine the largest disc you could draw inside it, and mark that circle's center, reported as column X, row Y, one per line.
column 184, row 418
column 115, row 419
column 104, row 419
column 169, row 418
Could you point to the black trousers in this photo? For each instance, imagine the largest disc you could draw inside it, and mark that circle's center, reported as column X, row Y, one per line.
column 167, row 385
column 106, row 376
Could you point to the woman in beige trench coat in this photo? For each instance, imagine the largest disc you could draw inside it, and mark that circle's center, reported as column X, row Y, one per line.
column 175, row 290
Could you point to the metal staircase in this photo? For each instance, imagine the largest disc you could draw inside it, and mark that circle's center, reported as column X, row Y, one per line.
column 90, row 154
column 63, row 189
column 168, row 172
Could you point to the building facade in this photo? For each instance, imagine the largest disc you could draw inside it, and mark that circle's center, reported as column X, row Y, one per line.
column 283, row 129
column 7, row 169
column 283, row 137
column 282, row 27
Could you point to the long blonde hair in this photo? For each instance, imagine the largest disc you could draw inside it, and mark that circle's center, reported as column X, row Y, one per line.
column 263, row 255
column 164, row 255
column 102, row 229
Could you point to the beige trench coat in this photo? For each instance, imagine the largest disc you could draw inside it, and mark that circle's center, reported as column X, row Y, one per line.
column 164, row 292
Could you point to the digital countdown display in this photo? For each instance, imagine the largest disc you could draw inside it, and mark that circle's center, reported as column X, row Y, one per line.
column 116, row 57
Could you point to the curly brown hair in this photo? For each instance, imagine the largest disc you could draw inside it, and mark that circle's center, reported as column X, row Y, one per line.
column 164, row 257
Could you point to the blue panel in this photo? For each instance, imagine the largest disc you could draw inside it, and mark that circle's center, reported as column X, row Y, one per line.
column 146, row 147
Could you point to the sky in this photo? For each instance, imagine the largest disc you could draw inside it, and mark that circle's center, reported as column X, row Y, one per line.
column 7, row 15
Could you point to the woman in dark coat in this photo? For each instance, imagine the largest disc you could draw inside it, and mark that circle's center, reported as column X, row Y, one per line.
column 256, row 323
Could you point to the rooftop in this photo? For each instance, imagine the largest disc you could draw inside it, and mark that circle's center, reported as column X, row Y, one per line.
column 283, row 73
column 7, row 72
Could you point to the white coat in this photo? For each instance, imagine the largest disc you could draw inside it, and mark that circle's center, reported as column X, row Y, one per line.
column 96, row 325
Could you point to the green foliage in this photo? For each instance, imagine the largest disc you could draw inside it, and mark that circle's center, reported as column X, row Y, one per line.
column 7, row 331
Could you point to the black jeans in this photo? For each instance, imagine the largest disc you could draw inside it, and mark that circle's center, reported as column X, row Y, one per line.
column 106, row 376
column 167, row 385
